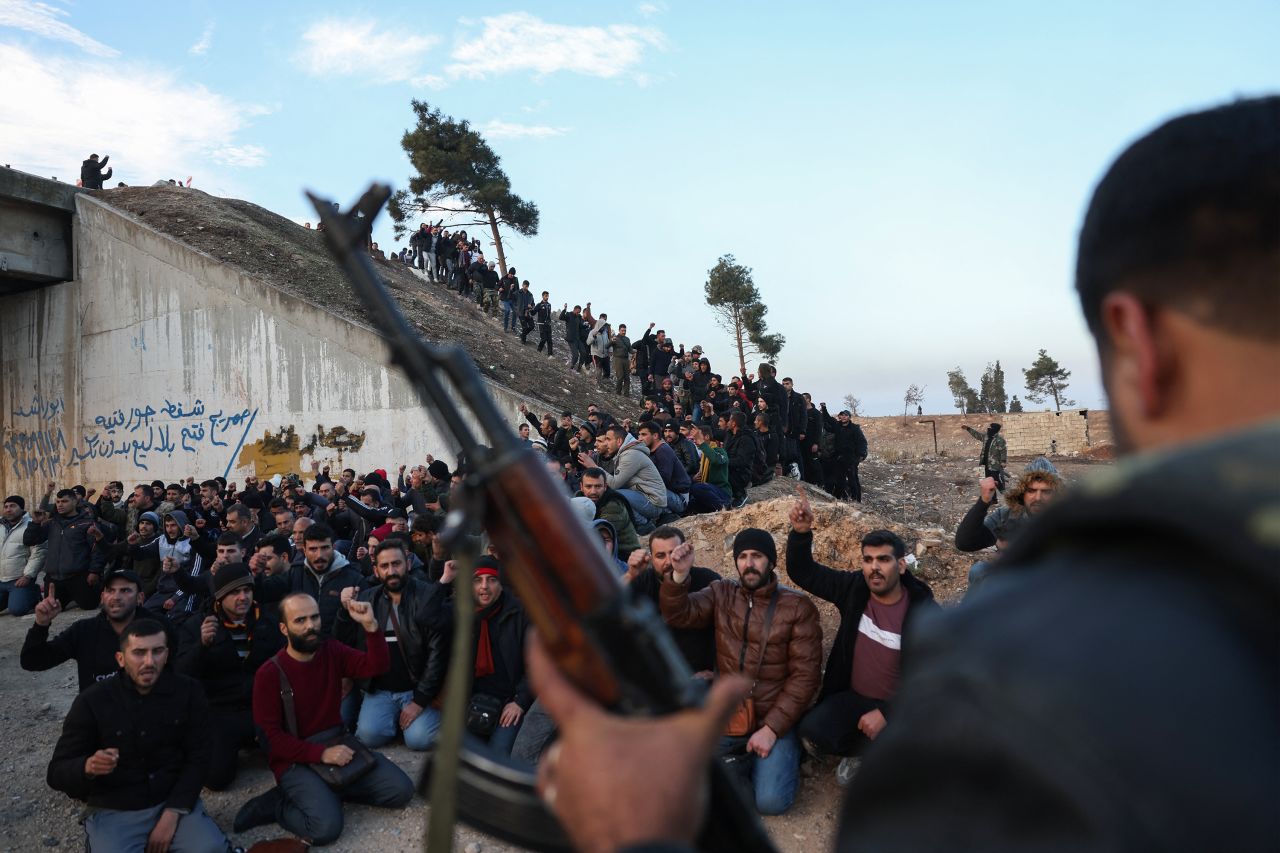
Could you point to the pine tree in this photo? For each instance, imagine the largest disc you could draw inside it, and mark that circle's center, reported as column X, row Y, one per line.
column 734, row 299
column 1047, row 379
column 458, row 174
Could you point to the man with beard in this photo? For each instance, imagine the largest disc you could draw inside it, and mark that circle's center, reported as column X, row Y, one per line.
column 415, row 621
column 303, row 803
column 91, row 643
column 223, row 652
column 322, row 573
column 878, row 606
column 771, row 635
column 1027, row 498
column 1052, row 711
column 135, row 749
column 646, row 570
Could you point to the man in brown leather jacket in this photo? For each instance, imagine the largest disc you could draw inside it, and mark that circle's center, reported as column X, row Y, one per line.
column 771, row 635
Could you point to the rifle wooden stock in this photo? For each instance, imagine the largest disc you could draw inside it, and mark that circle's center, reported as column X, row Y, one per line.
column 558, row 569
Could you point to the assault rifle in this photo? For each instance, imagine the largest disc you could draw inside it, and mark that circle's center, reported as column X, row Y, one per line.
column 612, row 646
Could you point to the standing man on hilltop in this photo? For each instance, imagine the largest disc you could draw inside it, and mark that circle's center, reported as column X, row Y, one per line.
column 91, row 174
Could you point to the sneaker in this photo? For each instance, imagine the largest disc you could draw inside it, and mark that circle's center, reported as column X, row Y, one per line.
column 846, row 770
column 258, row 811
column 810, row 747
column 740, row 503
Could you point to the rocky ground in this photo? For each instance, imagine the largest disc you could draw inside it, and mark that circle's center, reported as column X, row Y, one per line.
column 920, row 500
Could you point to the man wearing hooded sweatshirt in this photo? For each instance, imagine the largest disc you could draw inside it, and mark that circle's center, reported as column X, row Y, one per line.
column 20, row 564
column 631, row 473
column 611, row 507
column 174, row 553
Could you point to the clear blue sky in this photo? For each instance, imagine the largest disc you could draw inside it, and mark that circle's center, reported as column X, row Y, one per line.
column 906, row 180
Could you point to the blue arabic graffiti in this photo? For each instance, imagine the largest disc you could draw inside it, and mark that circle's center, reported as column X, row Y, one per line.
column 141, row 434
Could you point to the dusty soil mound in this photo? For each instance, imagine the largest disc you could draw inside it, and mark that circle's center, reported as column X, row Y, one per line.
column 285, row 255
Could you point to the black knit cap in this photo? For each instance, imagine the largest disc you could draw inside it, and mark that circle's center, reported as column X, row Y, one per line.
column 229, row 578
column 16, row 499
column 755, row 539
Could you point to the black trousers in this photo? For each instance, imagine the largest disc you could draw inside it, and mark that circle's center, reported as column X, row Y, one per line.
column 76, row 588
column 544, row 337
column 832, row 724
column 231, row 730
column 739, row 479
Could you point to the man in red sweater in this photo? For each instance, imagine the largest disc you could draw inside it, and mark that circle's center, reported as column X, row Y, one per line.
column 303, row 803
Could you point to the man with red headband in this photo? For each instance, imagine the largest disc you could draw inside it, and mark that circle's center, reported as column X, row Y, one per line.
column 500, row 693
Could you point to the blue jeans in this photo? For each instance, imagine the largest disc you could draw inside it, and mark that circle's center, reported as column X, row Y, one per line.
column 380, row 720
column 676, row 502
column 313, row 811
column 504, row 737
column 774, row 780
column 704, row 497
column 641, row 505
column 508, row 316
column 20, row 600
column 112, row 831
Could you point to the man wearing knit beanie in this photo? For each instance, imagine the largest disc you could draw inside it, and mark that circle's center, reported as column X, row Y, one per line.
column 767, row 633
column 19, row 564
column 223, row 652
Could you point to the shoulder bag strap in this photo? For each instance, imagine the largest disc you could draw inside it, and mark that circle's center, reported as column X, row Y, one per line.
column 286, row 696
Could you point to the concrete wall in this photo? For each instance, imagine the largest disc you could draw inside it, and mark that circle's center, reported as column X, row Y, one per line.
column 158, row 362
column 1027, row 434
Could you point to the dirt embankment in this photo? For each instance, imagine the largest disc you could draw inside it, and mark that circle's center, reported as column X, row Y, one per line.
column 285, row 255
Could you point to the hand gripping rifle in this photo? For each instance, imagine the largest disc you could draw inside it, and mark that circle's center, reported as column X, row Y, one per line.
column 612, row 646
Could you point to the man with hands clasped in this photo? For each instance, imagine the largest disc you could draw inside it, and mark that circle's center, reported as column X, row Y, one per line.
column 303, row 803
